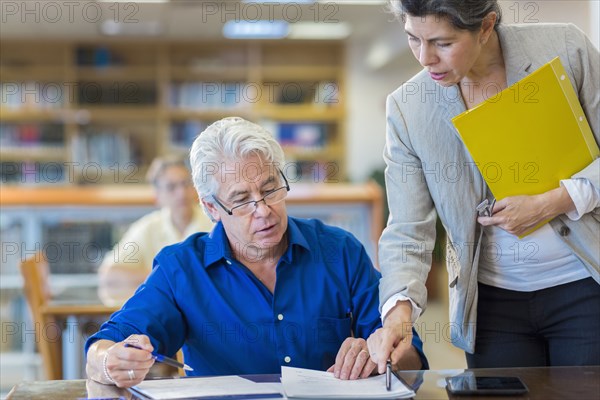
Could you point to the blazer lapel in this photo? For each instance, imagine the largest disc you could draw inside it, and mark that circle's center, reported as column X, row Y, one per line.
column 516, row 60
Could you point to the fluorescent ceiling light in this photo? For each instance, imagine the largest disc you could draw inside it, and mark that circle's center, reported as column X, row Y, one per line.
column 110, row 27
column 319, row 31
column 262, row 29
column 349, row 2
column 355, row 2
column 280, row 1
column 133, row 1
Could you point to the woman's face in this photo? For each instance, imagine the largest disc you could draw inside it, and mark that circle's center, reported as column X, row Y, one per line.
column 447, row 53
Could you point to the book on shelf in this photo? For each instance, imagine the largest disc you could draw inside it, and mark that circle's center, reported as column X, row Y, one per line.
column 105, row 147
column 125, row 93
column 33, row 173
column 529, row 136
column 32, row 95
column 184, row 133
column 299, row 136
column 312, row 171
column 31, row 135
column 211, row 95
column 96, row 56
column 323, row 93
column 327, row 94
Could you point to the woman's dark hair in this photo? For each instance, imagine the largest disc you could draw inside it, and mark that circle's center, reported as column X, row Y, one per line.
column 462, row 14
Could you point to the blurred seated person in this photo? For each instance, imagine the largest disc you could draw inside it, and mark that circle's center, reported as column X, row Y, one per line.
column 128, row 264
column 260, row 291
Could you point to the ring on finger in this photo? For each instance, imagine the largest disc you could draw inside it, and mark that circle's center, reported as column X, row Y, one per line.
column 131, row 374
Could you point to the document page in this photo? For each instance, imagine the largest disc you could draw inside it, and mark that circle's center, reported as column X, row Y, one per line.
column 198, row 388
column 306, row 383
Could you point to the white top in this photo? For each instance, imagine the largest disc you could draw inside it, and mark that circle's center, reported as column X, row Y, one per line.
column 538, row 261
column 148, row 235
column 541, row 259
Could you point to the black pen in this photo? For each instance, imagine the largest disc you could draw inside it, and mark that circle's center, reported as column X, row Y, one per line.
column 388, row 375
column 164, row 359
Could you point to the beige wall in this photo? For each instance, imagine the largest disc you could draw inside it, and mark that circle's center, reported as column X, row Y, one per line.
column 368, row 88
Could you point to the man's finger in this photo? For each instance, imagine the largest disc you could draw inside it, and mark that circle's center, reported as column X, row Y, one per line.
column 349, row 361
column 339, row 358
column 361, row 359
column 368, row 369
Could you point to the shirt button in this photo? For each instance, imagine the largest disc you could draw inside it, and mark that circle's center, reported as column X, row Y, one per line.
column 287, row 359
column 564, row 231
column 228, row 262
column 280, row 317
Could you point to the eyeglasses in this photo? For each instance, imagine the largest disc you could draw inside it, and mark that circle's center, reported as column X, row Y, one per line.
column 270, row 199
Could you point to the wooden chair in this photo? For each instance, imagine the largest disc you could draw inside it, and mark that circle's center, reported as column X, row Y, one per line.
column 47, row 317
column 35, row 272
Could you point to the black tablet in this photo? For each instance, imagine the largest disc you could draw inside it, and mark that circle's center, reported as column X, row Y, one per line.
column 485, row 385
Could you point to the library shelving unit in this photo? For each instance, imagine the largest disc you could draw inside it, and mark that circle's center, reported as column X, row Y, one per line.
column 91, row 112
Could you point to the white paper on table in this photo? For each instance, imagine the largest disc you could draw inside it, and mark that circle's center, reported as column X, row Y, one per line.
column 307, row 383
column 165, row 389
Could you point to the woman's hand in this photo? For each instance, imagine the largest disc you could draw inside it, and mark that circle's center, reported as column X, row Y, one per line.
column 519, row 214
column 393, row 341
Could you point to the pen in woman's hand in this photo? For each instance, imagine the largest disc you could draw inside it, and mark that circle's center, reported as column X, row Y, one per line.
column 388, row 375
column 164, row 359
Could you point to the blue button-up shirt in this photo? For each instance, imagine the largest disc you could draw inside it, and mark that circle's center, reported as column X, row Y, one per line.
column 199, row 297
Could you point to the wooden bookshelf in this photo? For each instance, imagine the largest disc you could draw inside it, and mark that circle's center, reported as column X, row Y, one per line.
column 140, row 92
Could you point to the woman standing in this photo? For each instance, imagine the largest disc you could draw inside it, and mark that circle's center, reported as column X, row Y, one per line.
column 510, row 308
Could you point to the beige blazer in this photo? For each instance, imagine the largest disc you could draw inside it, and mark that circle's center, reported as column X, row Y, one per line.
column 429, row 173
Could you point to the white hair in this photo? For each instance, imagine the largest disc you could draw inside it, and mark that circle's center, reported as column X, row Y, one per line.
column 231, row 139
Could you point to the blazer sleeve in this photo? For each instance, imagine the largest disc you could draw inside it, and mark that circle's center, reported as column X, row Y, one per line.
column 584, row 60
column 405, row 247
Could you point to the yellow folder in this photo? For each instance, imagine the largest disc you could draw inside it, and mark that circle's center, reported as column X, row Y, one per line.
column 529, row 136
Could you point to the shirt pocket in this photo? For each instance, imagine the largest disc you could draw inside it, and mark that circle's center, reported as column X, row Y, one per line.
column 331, row 333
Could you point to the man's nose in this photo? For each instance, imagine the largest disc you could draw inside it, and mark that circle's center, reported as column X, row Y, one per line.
column 261, row 208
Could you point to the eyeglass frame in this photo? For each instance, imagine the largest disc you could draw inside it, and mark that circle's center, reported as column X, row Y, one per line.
column 229, row 211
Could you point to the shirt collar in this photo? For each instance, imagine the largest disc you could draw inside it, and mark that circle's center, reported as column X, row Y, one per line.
column 217, row 246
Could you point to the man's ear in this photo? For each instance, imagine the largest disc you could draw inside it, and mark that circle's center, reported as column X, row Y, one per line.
column 212, row 210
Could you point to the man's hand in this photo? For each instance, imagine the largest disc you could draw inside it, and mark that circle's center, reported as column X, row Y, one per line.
column 394, row 340
column 128, row 366
column 353, row 360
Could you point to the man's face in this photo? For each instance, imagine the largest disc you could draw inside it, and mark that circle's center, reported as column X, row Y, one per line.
column 257, row 233
column 174, row 189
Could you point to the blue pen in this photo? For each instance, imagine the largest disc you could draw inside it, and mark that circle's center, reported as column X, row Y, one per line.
column 164, row 359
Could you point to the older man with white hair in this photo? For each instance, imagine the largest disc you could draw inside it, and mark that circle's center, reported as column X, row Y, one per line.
column 261, row 290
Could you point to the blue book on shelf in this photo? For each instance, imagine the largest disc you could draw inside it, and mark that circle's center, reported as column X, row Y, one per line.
column 309, row 135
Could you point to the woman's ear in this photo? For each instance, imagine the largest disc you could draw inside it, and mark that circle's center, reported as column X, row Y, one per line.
column 487, row 26
column 212, row 210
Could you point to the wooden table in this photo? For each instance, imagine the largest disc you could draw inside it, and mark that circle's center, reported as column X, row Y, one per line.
column 581, row 383
column 72, row 336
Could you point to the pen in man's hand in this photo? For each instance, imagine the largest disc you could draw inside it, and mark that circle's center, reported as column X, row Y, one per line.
column 388, row 375
column 164, row 359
